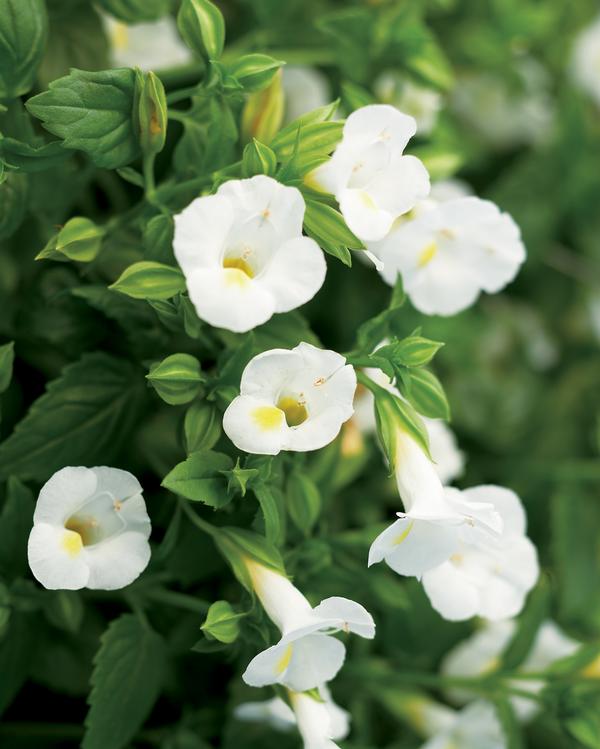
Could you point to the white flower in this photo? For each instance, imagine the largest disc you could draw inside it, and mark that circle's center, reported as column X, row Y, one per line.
column 450, row 252
column 487, row 576
column 585, row 65
column 326, row 722
column 90, row 530
column 475, row 727
column 243, row 254
column 305, row 89
column 294, row 399
column 372, row 180
column 480, row 654
column 153, row 45
column 505, row 115
column 420, row 102
column 307, row 655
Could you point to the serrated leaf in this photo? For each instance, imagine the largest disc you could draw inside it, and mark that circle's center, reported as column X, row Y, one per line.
column 128, row 673
column 149, row 280
column 28, row 158
column 84, row 417
column 92, row 112
column 199, row 478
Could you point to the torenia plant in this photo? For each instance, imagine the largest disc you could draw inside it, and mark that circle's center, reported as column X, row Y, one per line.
column 194, row 348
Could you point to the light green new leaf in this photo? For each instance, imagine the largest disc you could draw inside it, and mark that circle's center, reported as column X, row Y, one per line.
column 425, row 392
column 222, row 623
column 199, row 478
column 149, row 280
column 84, row 416
column 328, row 228
column 80, row 239
column 23, row 31
column 92, row 112
column 202, row 27
column 177, row 379
column 128, row 674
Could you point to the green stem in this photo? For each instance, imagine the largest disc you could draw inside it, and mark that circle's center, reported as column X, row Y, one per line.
column 148, row 171
column 182, row 93
column 196, row 520
column 178, row 600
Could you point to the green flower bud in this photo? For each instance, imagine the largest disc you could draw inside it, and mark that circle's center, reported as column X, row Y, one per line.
column 152, row 113
column 258, row 159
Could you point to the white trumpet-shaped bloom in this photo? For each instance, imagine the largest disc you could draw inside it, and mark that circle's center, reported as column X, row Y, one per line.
column 90, row 530
column 294, row 399
column 318, row 724
column 586, row 60
column 307, row 655
column 480, row 654
column 152, row 45
column 243, row 254
column 450, row 252
column 475, row 727
column 371, row 178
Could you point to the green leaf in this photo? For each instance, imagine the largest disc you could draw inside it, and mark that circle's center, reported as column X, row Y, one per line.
column 158, row 238
column 222, row 623
column 128, row 673
column 150, row 280
column 27, row 158
column 23, row 31
column 85, row 416
column 255, row 71
column 177, row 379
column 16, row 520
column 577, row 707
column 7, row 358
column 92, row 112
column 303, row 502
column 308, row 143
column 80, row 239
column 513, row 733
column 328, row 228
column 134, row 11
column 258, row 159
column 393, row 414
column 425, row 392
column 286, row 138
column 201, row 426
column 199, row 478
column 14, row 192
column 17, row 650
column 271, row 505
column 202, row 27
column 372, row 332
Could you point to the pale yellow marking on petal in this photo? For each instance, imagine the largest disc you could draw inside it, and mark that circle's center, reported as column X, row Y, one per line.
column 399, row 539
column 427, row 254
column 268, row 417
column 120, row 36
column 239, row 263
column 367, row 200
column 72, row 543
column 284, row 661
column 236, row 277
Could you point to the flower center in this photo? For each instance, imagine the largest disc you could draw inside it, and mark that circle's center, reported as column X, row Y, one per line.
column 95, row 521
column 294, row 410
column 239, row 264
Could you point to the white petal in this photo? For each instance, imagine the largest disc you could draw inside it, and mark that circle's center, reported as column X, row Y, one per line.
column 448, row 459
column 315, row 659
column 295, row 273
column 314, row 721
column 228, row 298
column 255, row 426
column 411, row 547
column 280, row 205
column 349, row 615
column 451, row 594
column 418, row 483
column 381, row 121
column 363, row 216
column 399, row 187
column 201, row 231
column 64, row 493
column 118, row 561
column 121, row 484
column 317, row 431
column 51, row 563
column 505, row 502
column 274, row 712
column 267, row 373
column 339, row 719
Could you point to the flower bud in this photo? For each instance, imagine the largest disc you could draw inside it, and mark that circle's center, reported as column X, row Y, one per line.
column 258, row 159
column 152, row 113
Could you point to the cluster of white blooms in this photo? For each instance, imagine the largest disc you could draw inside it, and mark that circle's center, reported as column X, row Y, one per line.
column 422, row 103
column 305, row 90
column 480, row 654
column 474, row 727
